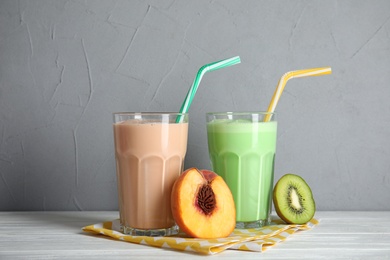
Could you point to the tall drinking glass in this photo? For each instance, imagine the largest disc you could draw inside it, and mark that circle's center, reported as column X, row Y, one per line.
column 149, row 150
column 242, row 150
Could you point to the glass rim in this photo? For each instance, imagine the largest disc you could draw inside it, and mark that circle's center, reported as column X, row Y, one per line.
column 241, row 113
column 149, row 113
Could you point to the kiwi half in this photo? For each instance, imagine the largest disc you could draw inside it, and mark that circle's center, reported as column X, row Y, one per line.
column 293, row 199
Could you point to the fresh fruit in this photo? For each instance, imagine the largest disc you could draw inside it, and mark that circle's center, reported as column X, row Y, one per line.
column 293, row 199
column 202, row 204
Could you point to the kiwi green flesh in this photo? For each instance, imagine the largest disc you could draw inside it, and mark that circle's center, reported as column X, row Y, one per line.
column 293, row 200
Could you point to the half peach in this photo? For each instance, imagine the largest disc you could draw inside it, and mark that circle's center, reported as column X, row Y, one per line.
column 203, row 205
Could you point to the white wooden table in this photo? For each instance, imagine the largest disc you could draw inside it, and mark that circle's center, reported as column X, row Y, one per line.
column 48, row 235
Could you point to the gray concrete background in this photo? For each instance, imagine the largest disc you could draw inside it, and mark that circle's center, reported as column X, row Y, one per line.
column 65, row 66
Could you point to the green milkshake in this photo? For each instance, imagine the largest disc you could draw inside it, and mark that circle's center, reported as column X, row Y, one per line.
column 242, row 150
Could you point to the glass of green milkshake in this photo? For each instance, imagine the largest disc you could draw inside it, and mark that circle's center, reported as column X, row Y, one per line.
column 242, row 151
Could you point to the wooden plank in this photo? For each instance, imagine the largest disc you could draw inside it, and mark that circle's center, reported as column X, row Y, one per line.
column 47, row 235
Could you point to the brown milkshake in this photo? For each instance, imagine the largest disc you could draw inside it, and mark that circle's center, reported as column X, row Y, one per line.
column 149, row 158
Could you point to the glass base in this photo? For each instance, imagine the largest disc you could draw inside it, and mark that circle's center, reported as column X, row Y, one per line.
column 253, row 224
column 151, row 232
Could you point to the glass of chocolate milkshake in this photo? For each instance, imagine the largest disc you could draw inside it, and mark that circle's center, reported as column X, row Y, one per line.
column 149, row 150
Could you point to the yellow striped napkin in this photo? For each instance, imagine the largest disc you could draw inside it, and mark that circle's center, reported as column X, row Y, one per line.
column 257, row 239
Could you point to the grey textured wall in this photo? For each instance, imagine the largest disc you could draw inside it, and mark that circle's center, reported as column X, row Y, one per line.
column 65, row 66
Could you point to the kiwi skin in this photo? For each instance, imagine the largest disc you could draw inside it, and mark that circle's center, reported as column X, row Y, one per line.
column 293, row 187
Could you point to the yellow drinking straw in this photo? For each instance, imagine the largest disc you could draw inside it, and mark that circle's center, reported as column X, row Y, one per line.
column 289, row 75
